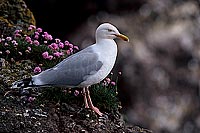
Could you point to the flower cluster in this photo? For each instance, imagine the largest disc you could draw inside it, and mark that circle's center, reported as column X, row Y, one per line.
column 109, row 81
column 36, row 45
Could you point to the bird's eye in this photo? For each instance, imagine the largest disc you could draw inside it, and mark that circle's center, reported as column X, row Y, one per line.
column 109, row 30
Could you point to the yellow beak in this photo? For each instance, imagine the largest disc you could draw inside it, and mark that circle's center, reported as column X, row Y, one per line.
column 123, row 37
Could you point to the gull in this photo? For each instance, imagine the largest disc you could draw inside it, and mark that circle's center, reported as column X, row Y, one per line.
column 82, row 69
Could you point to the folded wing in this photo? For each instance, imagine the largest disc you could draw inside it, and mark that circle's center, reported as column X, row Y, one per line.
column 71, row 71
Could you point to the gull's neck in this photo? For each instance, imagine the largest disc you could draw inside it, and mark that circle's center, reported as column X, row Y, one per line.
column 107, row 46
column 105, row 41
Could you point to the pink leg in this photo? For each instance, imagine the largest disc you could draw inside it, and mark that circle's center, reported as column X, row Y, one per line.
column 85, row 98
column 95, row 109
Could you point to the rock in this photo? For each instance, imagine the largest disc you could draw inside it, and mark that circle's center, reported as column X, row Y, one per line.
column 14, row 14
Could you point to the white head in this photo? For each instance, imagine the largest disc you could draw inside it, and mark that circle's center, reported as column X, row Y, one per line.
column 108, row 31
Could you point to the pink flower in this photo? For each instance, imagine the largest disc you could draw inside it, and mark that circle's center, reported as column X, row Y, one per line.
column 113, row 83
column 68, row 52
column 7, row 51
column 57, row 40
column 39, row 30
column 20, row 53
column 76, row 47
column 37, row 70
column 71, row 50
column 76, row 92
column 58, row 54
column 70, row 45
column 50, row 57
column 31, row 99
column 37, row 33
column 108, row 80
column 61, row 45
column 17, row 31
column 53, row 46
column 31, row 27
column 17, row 35
column 28, row 39
column 27, row 51
column 47, row 36
column 8, row 38
column 29, row 48
column 14, row 42
column 66, row 43
column 36, row 36
column 45, row 55
column 36, row 42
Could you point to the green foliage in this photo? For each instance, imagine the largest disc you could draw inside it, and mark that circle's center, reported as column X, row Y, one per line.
column 105, row 95
column 62, row 95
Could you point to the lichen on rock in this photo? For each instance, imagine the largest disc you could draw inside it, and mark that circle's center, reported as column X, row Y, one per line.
column 14, row 14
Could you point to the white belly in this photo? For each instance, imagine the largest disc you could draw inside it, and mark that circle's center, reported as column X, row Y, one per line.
column 108, row 58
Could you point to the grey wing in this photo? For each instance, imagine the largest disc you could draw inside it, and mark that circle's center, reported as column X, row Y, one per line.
column 72, row 71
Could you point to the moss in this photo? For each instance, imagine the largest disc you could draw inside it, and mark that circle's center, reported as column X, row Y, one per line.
column 14, row 14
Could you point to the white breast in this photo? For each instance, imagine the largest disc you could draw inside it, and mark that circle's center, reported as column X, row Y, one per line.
column 107, row 55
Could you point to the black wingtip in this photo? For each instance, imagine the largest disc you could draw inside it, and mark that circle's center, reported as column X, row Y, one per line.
column 24, row 83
